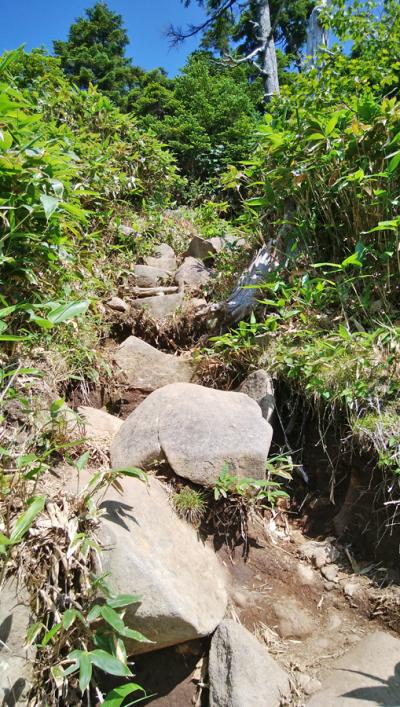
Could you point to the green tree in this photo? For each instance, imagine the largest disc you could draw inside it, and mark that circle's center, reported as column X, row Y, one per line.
column 251, row 32
column 95, row 54
column 208, row 118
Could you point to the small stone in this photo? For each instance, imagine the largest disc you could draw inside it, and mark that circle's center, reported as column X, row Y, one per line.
column 259, row 386
column 126, row 230
column 118, row 304
column 330, row 572
column 319, row 553
column 306, row 575
column 293, row 620
column 329, row 586
column 350, row 588
column 308, row 684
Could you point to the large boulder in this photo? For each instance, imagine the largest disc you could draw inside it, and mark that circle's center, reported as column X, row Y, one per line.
column 163, row 258
column 259, row 386
column 241, row 671
column 160, row 306
column 15, row 668
column 193, row 274
column 368, row 674
column 148, row 276
column 147, row 368
column 198, row 431
column 151, row 552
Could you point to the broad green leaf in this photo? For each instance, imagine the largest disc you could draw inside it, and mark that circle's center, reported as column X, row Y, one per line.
column 56, row 406
column 116, row 697
column 85, row 671
column 50, row 205
column 108, row 663
column 112, row 618
column 11, row 337
column 68, row 311
column 68, row 618
column 394, row 163
column 124, row 600
column 134, row 635
column 94, row 613
column 132, row 471
column 82, row 461
column 24, row 522
column 5, row 141
column 50, row 634
column 4, row 540
column 33, row 632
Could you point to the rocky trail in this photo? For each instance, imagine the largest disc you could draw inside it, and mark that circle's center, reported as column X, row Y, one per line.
column 249, row 613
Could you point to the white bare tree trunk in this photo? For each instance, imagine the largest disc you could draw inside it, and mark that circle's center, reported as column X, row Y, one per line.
column 317, row 36
column 269, row 65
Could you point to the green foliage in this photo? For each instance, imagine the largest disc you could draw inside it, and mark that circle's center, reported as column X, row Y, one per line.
column 68, row 160
column 94, row 54
column 207, row 116
column 190, row 504
column 255, row 492
column 236, row 22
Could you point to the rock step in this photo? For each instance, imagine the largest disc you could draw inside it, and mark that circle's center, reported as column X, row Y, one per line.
column 367, row 675
column 145, row 367
column 241, row 671
column 149, row 551
column 198, row 431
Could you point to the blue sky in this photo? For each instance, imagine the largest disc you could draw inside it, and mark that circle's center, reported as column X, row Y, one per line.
column 38, row 22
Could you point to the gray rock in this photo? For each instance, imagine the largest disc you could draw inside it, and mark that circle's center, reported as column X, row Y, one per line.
column 147, row 368
column 164, row 258
column 350, row 589
column 206, row 248
column 99, row 425
column 118, row 304
column 259, row 386
column 192, row 273
column 126, row 230
column 15, row 668
column 197, row 431
column 307, row 683
column 147, row 276
column 306, row 575
column 241, row 671
column 151, row 552
column 160, row 306
column 319, row 553
column 330, row 572
column 293, row 621
column 367, row 675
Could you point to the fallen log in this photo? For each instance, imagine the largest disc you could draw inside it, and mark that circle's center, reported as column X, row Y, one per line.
column 151, row 291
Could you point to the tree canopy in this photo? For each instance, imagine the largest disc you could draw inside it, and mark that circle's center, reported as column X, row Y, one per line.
column 95, row 53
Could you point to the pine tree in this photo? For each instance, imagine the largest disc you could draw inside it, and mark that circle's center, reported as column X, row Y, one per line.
column 95, row 53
